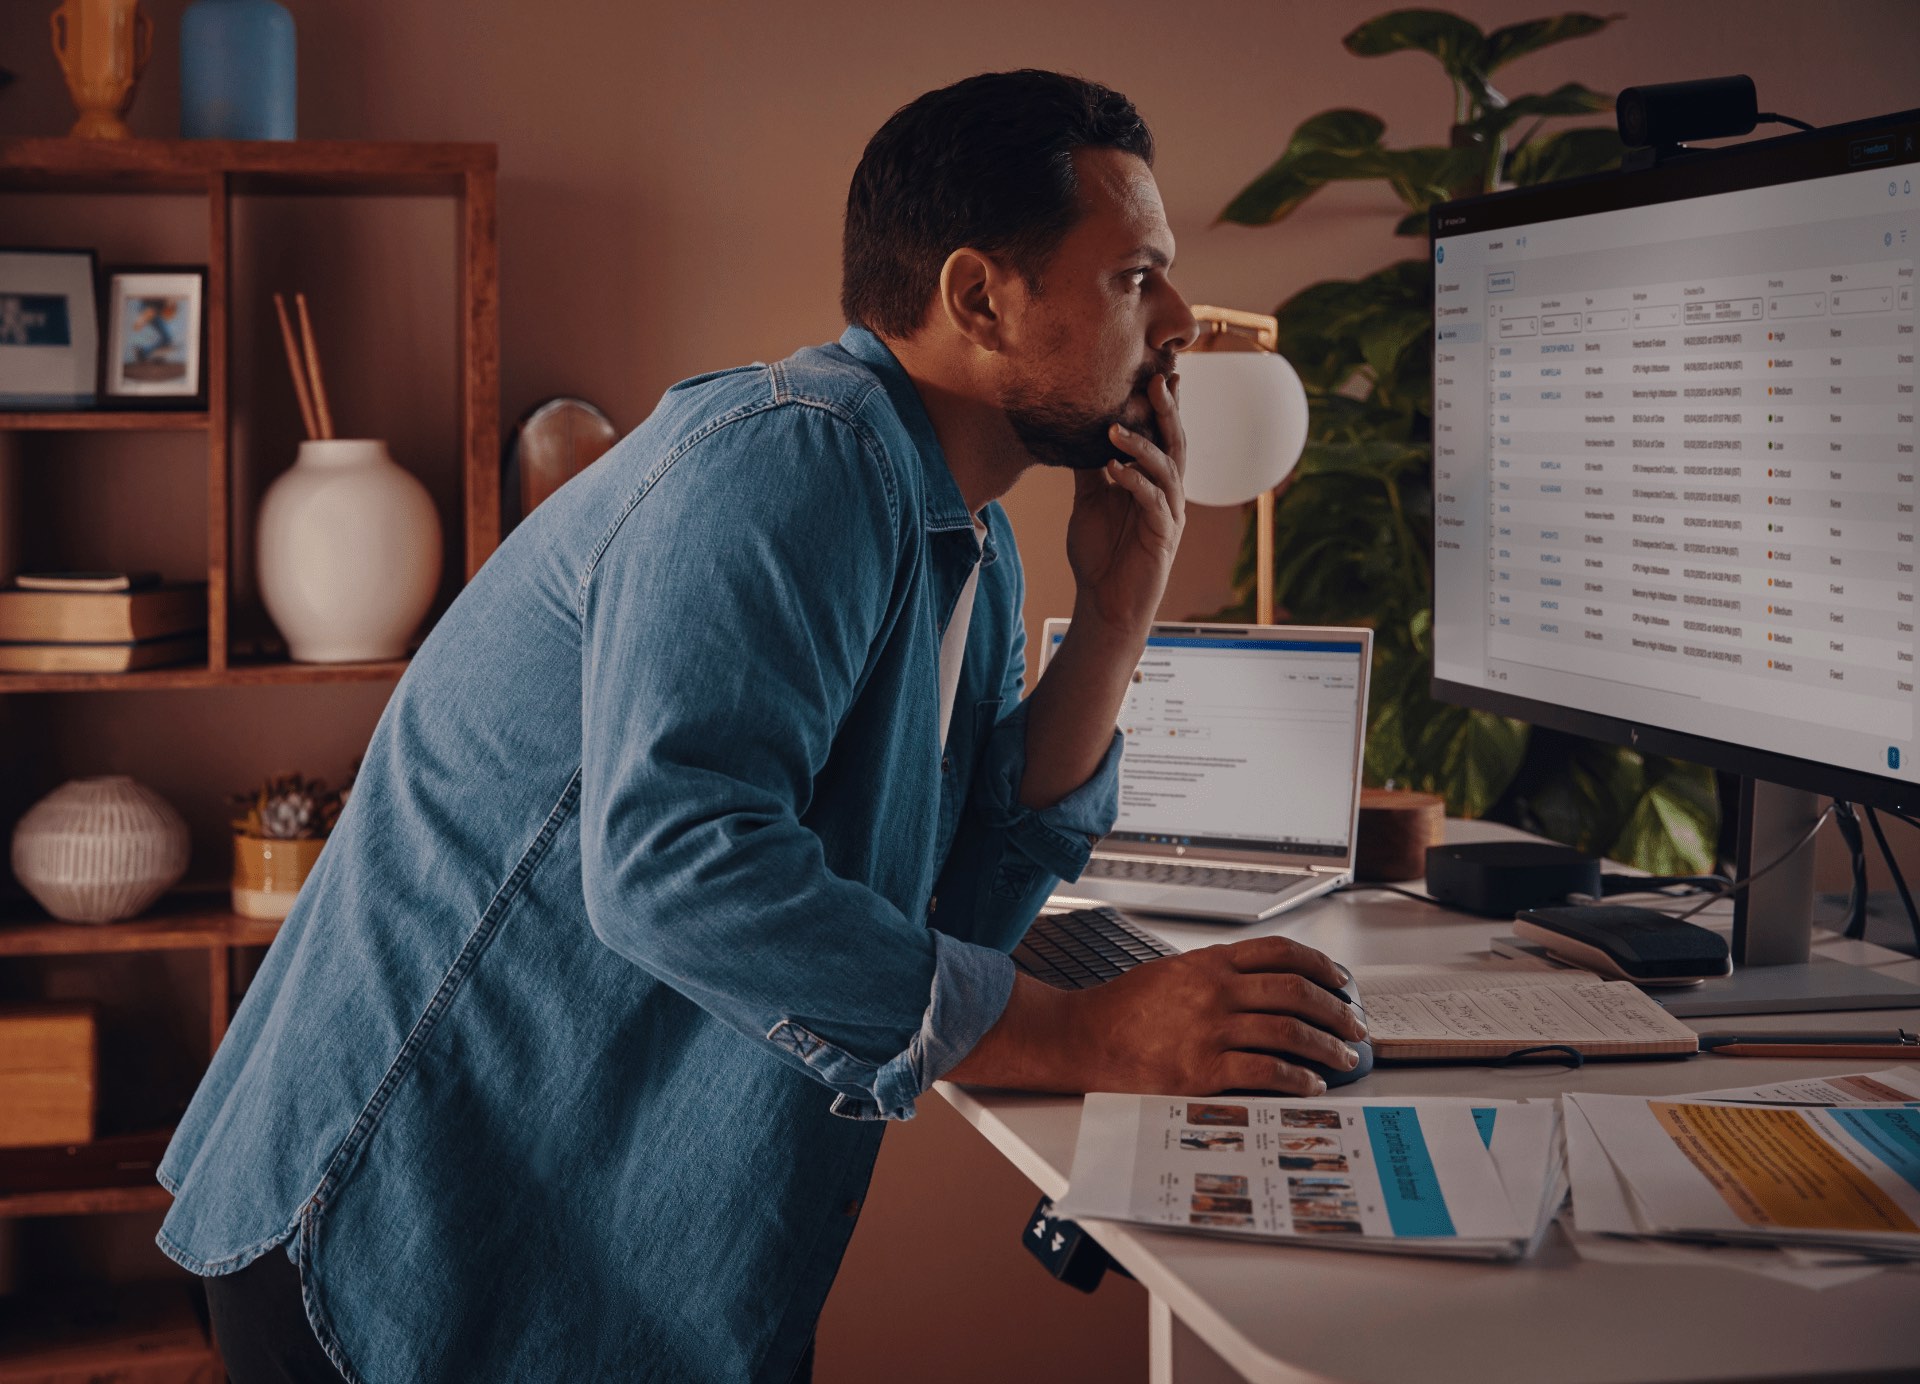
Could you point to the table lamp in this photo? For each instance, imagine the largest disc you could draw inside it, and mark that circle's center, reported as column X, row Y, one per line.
column 1245, row 414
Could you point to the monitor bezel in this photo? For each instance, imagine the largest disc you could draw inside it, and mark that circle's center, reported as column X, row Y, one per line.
column 1790, row 158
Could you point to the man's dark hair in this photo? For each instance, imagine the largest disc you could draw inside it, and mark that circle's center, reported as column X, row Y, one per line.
column 986, row 163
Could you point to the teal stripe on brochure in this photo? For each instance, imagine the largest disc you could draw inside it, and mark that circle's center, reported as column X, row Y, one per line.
column 1415, row 1207
column 1892, row 1136
column 1483, row 1121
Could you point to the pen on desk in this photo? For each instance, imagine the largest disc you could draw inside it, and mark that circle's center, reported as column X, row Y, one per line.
column 1898, row 1043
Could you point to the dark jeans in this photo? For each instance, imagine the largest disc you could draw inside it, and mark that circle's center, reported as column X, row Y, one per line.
column 261, row 1326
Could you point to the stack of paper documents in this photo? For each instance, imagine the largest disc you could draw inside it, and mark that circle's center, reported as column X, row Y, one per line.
column 1456, row 1177
column 1783, row 1166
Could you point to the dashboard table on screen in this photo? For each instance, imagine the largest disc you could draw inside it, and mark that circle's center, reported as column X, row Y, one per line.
column 1675, row 490
column 1676, row 457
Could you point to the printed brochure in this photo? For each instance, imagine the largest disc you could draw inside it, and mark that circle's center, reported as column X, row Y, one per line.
column 1843, row 1176
column 1449, row 1177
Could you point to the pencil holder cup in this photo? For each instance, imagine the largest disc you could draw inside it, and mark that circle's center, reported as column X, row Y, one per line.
column 348, row 553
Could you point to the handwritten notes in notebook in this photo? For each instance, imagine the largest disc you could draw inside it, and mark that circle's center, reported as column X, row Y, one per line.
column 1489, row 1010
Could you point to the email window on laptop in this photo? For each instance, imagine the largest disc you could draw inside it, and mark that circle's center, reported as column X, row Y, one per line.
column 1240, row 744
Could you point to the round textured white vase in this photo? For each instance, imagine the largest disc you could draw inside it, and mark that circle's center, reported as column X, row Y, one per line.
column 99, row 849
column 348, row 552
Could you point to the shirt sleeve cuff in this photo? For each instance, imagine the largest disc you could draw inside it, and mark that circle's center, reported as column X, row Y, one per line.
column 971, row 985
column 1060, row 838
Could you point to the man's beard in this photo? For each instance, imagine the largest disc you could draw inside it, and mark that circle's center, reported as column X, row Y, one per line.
column 1058, row 432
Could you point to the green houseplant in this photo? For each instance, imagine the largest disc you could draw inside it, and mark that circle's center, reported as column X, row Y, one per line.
column 1353, row 528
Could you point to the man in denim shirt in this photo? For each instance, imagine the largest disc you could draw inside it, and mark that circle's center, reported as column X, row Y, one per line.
column 691, row 846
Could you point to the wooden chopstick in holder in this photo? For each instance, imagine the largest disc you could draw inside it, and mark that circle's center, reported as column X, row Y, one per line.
column 313, row 368
column 295, row 368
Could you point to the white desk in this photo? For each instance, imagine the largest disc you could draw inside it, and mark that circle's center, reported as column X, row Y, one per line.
column 1222, row 1310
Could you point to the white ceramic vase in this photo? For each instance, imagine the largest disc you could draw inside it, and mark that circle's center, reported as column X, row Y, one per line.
column 348, row 553
column 96, row 850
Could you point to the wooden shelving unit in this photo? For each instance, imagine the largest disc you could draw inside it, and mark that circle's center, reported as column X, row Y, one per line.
column 219, row 171
column 107, row 420
column 130, row 1333
column 182, row 922
column 201, row 675
column 107, row 1175
column 153, row 1330
column 116, row 1174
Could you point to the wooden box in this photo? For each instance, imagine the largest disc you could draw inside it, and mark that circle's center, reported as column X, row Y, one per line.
column 47, row 1069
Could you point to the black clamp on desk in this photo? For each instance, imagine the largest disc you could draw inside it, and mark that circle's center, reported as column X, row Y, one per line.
column 1065, row 1250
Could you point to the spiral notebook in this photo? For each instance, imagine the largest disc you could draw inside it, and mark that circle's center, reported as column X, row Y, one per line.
column 1480, row 1011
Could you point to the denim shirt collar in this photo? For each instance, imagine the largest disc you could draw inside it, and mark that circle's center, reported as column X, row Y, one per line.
column 946, row 507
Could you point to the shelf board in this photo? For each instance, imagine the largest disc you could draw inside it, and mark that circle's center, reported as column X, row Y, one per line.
column 374, row 167
column 194, row 675
column 106, row 1331
column 180, row 922
column 105, row 420
column 99, row 1201
column 104, row 1177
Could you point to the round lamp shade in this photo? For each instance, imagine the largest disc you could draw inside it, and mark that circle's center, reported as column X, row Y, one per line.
column 1245, row 413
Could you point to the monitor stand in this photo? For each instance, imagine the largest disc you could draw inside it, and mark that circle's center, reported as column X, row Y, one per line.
column 1774, row 970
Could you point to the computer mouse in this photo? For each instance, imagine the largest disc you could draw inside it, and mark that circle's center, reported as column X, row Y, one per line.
column 1333, row 1076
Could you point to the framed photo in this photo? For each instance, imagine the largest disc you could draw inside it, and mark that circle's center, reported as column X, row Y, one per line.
column 49, row 330
column 156, row 330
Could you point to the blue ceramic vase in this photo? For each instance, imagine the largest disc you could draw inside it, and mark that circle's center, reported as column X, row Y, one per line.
column 237, row 70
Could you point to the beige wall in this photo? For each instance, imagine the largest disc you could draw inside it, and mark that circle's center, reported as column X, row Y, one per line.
column 671, row 186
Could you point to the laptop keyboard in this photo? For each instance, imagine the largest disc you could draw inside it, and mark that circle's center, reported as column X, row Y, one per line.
column 1203, row 876
column 1085, row 948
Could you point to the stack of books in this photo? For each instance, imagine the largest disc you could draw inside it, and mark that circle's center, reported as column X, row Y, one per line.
column 72, row 625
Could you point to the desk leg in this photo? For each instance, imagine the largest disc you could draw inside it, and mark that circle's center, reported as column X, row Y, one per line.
column 1176, row 1356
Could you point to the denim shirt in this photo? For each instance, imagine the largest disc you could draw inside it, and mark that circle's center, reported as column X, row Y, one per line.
column 654, row 867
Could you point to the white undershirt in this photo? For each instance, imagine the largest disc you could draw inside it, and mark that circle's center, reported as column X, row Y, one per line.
column 953, row 644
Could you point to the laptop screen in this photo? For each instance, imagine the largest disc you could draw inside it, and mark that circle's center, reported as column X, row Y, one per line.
column 1241, row 740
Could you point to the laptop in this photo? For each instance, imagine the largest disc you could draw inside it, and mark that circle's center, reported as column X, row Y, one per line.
column 1240, row 782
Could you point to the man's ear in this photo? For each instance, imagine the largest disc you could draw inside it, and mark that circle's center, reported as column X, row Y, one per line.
column 975, row 295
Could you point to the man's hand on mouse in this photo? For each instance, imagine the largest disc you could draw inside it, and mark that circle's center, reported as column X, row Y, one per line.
column 1225, row 1018
column 1222, row 1018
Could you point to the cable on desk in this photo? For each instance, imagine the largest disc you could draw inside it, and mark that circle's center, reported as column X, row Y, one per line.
column 1855, row 923
column 1740, row 886
column 1612, row 886
column 1417, row 897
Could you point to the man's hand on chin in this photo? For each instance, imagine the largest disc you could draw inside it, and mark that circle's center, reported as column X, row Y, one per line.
column 1125, row 529
column 1127, row 520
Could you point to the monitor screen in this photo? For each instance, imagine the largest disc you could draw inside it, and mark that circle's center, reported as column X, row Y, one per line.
column 1674, row 463
column 1241, row 741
